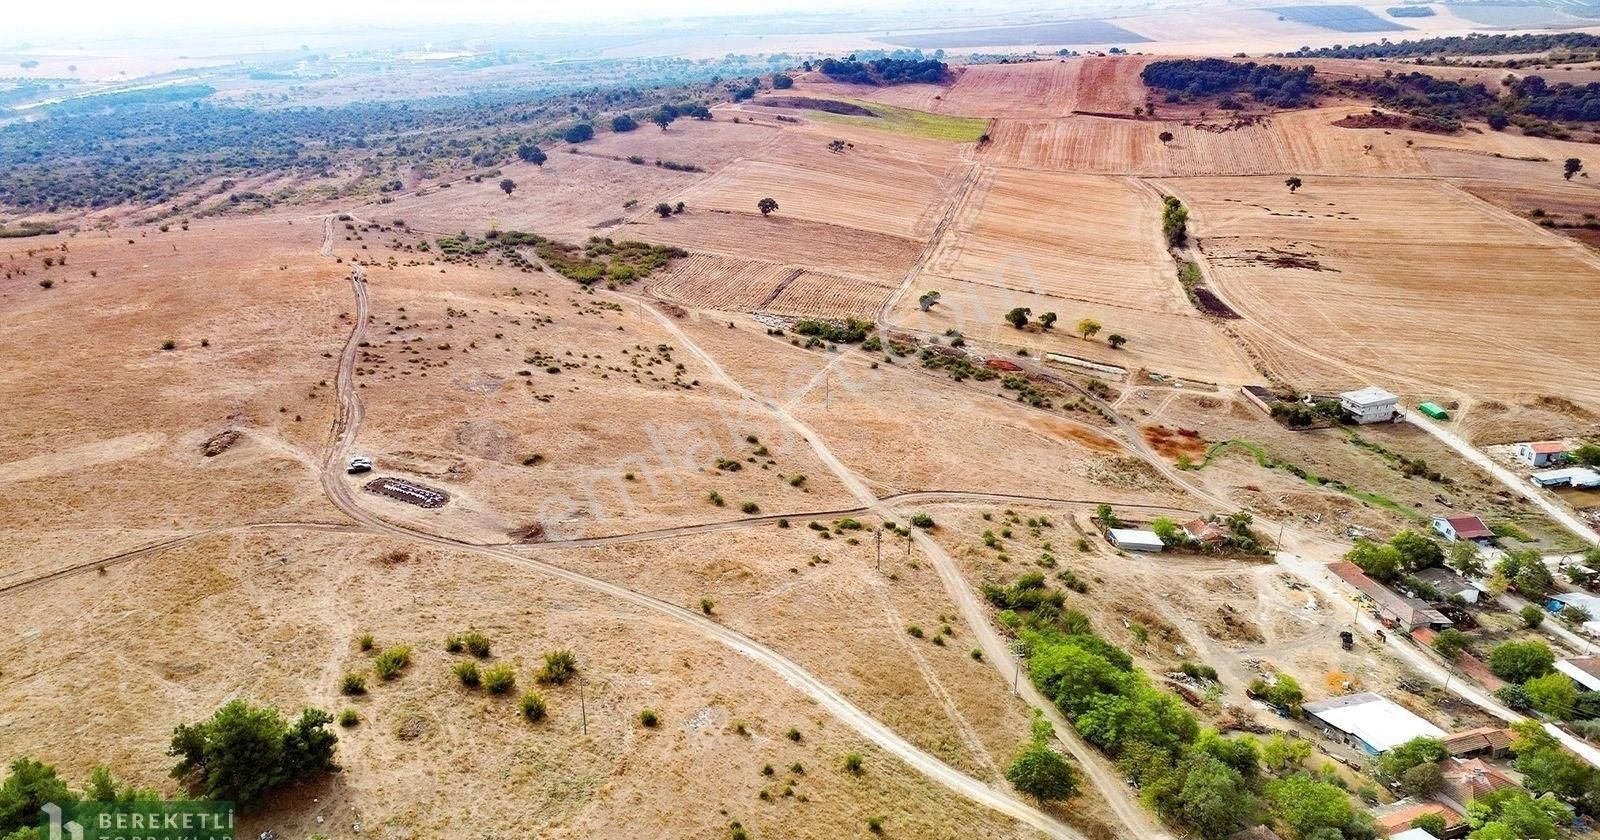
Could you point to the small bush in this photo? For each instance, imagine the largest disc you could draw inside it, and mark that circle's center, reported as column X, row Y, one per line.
column 977, row 654
column 392, row 661
column 706, row 604
column 922, row 520
column 793, row 734
column 559, row 666
column 453, row 644
column 853, row 762
column 875, row 825
column 750, row 507
column 366, row 642
column 532, row 706
column 467, row 673
column 500, row 679
column 353, row 685
column 648, row 719
column 915, row 631
column 349, row 718
column 477, row 644
column 169, row 344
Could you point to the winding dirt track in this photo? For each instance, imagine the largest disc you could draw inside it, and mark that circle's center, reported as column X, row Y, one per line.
column 347, row 424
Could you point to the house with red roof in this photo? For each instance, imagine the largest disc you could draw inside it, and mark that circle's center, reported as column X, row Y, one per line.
column 1465, row 527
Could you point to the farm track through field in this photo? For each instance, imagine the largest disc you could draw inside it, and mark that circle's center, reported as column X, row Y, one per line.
column 347, row 424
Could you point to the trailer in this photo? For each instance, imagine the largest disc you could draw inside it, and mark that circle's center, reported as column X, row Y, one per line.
column 1434, row 410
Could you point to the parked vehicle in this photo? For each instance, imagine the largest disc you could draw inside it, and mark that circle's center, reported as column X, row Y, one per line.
column 359, row 465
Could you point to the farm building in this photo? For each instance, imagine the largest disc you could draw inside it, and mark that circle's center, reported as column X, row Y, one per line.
column 1485, row 740
column 1449, row 584
column 1393, row 609
column 1394, row 819
column 1590, row 603
column 1434, row 410
column 1579, row 477
column 1368, row 721
column 1542, row 454
column 1584, row 670
column 1370, row 405
column 1261, row 396
column 1136, row 540
column 1457, row 528
column 1467, row 779
column 1202, row 531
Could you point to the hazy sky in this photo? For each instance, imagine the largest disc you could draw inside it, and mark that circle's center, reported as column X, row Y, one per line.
column 99, row 18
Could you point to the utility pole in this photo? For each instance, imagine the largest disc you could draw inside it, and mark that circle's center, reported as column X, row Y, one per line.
column 877, row 540
column 583, row 706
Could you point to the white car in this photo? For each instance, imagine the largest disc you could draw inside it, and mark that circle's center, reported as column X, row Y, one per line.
column 359, row 465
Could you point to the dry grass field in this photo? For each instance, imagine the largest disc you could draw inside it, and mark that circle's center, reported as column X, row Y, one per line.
column 1408, row 270
column 656, row 477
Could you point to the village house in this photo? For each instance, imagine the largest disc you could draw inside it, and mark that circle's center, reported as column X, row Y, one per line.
column 1542, row 454
column 1449, row 584
column 1132, row 539
column 1584, row 670
column 1484, row 741
column 1370, row 405
column 1467, row 527
column 1394, row 609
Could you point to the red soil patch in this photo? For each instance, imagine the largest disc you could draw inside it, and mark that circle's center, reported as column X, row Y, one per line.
column 1170, row 443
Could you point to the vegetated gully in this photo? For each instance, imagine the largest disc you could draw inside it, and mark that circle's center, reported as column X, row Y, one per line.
column 347, row 424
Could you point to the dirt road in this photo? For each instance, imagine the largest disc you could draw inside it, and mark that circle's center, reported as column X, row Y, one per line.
column 338, row 487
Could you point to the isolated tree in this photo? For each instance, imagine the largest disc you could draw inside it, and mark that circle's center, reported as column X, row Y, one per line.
column 663, row 210
column 1088, row 328
column 508, row 185
column 579, row 133
column 663, row 118
column 679, row 207
column 243, row 752
column 1116, row 340
column 836, row 146
column 781, row 81
column 1019, row 317
column 1293, row 182
column 1165, row 137
column 1464, row 558
column 623, row 122
column 1519, row 662
column 1048, row 320
column 927, row 300
column 1450, row 643
column 1042, row 773
column 1572, row 167
column 532, row 154
column 767, row 206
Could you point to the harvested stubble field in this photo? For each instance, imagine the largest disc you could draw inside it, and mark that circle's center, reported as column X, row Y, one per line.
column 882, row 187
column 276, row 619
column 816, row 294
column 1409, row 270
column 707, row 281
column 782, row 239
column 1037, row 89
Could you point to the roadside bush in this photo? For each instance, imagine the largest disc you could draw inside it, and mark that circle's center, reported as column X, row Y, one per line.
column 532, row 706
column 1532, row 616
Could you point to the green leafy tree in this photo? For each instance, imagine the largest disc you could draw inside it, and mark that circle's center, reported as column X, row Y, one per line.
column 1572, row 167
column 663, row 210
column 1165, row 137
column 781, row 81
column 1047, row 320
column 1018, row 317
column 1422, row 781
column 1465, row 559
column 1116, row 340
column 579, row 133
column 1450, row 643
column 1519, row 662
column 1293, row 182
column 27, row 788
column 1042, row 773
column 1513, row 813
column 767, row 206
column 243, row 752
column 1554, row 694
column 1532, row 616
column 507, row 185
column 1432, row 823
column 1416, row 752
column 1210, row 796
column 1282, row 753
column 530, row 153
column 1589, row 455
column 926, row 301
column 1382, row 562
column 1088, row 328
column 623, row 123
column 1416, row 551
column 1312, row 809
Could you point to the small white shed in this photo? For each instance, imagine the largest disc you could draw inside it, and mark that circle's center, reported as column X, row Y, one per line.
column 1134, row 539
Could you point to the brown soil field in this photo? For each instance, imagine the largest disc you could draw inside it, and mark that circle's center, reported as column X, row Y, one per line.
column 780, row 238
column 1391, row 253
column 831, row 296
column 705, row 281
